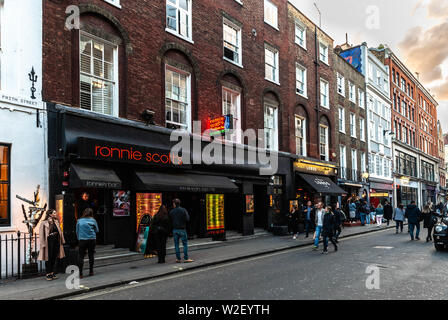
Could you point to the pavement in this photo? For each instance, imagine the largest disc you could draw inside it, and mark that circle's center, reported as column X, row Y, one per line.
column 137, row 271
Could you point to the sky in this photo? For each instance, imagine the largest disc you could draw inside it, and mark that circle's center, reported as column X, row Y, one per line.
column 415, row 30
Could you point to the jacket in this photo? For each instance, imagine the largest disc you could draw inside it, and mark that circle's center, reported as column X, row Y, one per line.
column 399, row 214
column 312, row 213
column 316, row 216
column 161, row 224
column 388, row 210
column 86, row 229
column 179, row 218
column 44, row 230
column 379, row 212
column 413, row 214
column 328, row 224
column 429, row 219
column 352, row 206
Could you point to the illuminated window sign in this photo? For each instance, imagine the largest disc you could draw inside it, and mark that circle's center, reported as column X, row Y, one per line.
column 147, row 205
column 220, row 125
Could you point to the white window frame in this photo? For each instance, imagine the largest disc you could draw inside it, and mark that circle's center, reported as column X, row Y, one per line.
column 326, row 52
column 326, row 93
column 351, row 92
column 235, row 135
column 305, row 80
column 115, row 3
column 186, row 126
column 340, row 84
column 276, row 79
column 354, row 156
column 343, row 161
column 275, row 128
column 353, row 125
column 300, row 28
column 341, row 119
column 269, row 5
column 179, row 11
column 363, row 162
column 327, row 147
column 361, row 98
column 362, row 132
column 303, row 135
column 239, row 44
column 1, row 44
column 116, row 85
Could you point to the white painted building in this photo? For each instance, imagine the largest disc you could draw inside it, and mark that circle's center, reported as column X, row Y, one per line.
column 379, row 115
column 23, row 154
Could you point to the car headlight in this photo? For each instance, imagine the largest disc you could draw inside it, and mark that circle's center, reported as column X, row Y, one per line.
column 440, row 228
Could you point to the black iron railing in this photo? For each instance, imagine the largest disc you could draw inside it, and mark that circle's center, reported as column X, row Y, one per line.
column 350, row 174
column 18, row 256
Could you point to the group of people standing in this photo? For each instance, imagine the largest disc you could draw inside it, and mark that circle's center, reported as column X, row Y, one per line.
column 359, row 210
column 325, row 221
column 52, row 238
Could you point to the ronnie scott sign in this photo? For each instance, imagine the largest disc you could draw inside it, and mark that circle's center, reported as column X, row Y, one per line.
column 118, row 152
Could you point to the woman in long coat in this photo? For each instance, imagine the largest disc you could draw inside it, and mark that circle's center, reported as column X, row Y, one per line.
column 51, row 243
column 428, row 221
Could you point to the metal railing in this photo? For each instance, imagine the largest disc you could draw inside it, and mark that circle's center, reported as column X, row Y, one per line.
column 18, row 256
column 350, row 174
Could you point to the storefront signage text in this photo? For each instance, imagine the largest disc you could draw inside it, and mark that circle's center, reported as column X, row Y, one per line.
column 314, row 168
column 103, row 150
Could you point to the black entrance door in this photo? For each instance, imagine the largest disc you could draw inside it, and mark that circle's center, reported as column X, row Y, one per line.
column 261, row 212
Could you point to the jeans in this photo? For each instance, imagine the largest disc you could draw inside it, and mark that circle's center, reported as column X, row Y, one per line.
column 160, row 239
column 399, row 224
column 372, row 216
column 411, row 229
column 180, row 234
column 363, row 218
column 308, row 225
column 326, row 242
column 368, row 218
column 337, row 232
column 318, row 232
column 379, row 220
column 86, row 245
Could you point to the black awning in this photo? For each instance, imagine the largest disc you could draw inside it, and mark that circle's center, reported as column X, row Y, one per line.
column 322, row 184
column 184, row 182
column 86, row 176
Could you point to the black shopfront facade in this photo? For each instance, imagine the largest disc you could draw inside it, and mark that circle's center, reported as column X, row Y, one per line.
column 129, row 171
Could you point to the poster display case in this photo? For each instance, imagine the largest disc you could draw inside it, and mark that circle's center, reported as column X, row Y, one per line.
column 215, row 214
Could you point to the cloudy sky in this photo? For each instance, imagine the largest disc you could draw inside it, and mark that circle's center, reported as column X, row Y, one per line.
column 416, row 30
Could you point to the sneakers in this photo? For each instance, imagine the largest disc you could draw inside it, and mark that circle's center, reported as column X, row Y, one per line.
column 49, row 277
column 54, row 276
column 188, row 260
column 315, row 248
column 295, row 237
column 324, row 251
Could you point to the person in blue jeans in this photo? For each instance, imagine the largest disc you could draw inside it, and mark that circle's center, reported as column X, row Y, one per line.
column 179, row 218
column 319, row 222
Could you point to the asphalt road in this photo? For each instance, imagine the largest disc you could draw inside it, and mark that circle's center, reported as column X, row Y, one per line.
column 407, row 270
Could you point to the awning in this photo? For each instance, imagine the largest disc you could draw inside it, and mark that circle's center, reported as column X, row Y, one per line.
column 184, row 182
column 322, row 184
column 86, row 176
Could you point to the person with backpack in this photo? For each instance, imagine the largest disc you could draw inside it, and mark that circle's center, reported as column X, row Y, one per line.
column 414, row 216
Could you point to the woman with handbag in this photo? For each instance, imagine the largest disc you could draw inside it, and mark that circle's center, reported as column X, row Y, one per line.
column 161, row 225
column 51, row 243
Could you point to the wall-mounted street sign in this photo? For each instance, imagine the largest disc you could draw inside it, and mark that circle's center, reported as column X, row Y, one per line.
column 220, row 125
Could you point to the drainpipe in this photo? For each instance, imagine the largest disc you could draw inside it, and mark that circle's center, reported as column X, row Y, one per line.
column 317, row 90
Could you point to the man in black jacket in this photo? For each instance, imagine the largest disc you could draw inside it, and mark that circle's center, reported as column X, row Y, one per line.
column 388, row 212
column 414, row 216
column 179, row 217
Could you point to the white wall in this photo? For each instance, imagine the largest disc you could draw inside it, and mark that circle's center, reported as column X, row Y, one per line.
column 21, row 35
